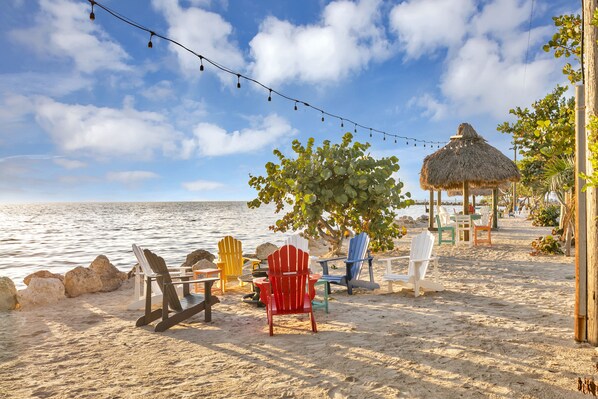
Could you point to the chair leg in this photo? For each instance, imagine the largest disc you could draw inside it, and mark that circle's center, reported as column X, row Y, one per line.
column 314, row 328
column 390, row 285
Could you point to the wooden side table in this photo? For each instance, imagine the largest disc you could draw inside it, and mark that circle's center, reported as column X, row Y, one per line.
column 206, row 273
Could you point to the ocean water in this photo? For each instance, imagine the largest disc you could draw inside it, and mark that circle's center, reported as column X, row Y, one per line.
column 61, row 236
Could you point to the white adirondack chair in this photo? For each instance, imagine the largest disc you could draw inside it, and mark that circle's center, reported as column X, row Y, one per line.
column 143, row 269
column 298, row 242
column 464, row 224
column 419, row 258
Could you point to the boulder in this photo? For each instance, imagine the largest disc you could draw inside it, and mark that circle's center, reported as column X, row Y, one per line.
column 111, row 277
column 263, row 250
column 81, row 280
column 196, row 256
column 43, row 274
column 8, row 294
column 204, row 264
column 41, row 291
column 406, row 221
column 423, row 219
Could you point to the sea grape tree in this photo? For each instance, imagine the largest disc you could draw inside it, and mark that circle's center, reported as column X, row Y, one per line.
column 328, row 190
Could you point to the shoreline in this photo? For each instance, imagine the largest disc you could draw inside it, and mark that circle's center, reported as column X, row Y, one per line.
column 502, row 328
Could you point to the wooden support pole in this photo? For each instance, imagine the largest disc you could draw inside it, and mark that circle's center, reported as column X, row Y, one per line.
column 590, row 51
column 495, row 208
column 431, row 211
column 580, row 222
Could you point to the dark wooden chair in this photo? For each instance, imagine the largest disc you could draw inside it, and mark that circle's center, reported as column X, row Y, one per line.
column 182, row 308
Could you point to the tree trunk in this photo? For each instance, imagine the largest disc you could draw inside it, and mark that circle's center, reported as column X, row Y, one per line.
column 590, row 74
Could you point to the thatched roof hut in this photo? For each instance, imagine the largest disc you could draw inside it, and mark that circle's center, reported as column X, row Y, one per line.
column 467, row 160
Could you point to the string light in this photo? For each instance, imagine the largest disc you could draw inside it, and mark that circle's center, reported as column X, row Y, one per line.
column 150, row 44
column 271, row 91
column 384, row 137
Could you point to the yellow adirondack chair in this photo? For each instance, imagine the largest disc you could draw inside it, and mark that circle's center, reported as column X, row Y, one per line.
column 230, row 258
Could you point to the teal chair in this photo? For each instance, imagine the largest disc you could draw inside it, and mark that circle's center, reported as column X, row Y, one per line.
column 448, row 229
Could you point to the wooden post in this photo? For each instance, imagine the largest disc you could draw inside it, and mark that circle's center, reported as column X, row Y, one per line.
column 465, row 198
column 580, row 332
column 439, row 201
column 590, row 51
column 431, row 211
column 495, row 208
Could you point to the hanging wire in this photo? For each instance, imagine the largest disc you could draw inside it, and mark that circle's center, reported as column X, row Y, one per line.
column 239, row 76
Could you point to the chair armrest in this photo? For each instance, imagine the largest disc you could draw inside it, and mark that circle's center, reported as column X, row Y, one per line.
column 389, row 262
column 332, row 259
column 359, row 260
column 201, row 280
column 324, row 264
column 423, row 260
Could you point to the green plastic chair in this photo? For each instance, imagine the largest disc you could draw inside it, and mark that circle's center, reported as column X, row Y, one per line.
column 450, row 229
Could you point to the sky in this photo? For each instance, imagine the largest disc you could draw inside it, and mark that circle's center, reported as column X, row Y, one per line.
column 89, row 113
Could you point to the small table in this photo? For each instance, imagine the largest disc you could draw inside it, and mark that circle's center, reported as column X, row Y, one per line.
column 206, row 273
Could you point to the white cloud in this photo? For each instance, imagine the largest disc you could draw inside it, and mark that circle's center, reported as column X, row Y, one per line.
column 202, row 185
column 131, row 177
column 27, row 83
column 63, row 29
column 424, row 26
column 69, row 163
column 105, row 131
column 160, row 91
column 486, row 71
column 212, row 140
column 348, row 37
column 202, row 31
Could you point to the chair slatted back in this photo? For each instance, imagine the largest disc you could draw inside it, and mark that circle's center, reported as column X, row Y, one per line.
column 159, row 267
column 421, row 248
column 298, row 242
column 144, row 265
column 230, row 252
column 438, row 221
column 288, row 272
column 358, row 249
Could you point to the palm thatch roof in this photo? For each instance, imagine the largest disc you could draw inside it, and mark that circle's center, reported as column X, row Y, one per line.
column 469, row 159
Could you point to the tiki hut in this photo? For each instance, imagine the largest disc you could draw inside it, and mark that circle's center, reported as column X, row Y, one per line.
column 467, row 160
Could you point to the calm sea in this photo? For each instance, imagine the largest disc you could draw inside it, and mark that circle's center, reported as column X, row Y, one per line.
column 61, row 236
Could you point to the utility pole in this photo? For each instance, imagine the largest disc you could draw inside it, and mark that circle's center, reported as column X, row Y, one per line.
column 590, row 62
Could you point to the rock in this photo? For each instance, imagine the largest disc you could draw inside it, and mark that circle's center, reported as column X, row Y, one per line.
column 263, row 250
column 43, row 274
column 423, row 218
column 406, row 221
column 204, row 264
column 8, row 294
column 81, row 280
column 111, row 277
column 196, row 256
column 41, row 291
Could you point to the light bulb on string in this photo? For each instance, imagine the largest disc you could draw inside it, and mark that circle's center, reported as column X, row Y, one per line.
column 395, row 140
column 342, row 124
column 322, row 116
column 370, row 132
column 150, row 44
column 384, row 137
column 238, row 81
column 270, row 95
column 92, row 16
column 295, row 105
column 355, row 130
column 201, row 63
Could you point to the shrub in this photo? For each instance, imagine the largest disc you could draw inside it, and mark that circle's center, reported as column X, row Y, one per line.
column 546, row 216
column 546, row 246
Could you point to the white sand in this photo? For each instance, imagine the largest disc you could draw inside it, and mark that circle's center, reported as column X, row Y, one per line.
column 502, row 329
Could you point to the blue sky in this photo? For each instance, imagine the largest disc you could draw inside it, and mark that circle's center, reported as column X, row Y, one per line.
column 89, row 113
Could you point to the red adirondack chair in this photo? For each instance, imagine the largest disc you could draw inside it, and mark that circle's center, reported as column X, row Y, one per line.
column 285, row 291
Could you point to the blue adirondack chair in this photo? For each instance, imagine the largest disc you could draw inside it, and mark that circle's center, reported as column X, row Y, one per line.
column 357, row 256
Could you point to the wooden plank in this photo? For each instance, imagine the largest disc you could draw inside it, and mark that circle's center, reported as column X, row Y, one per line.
column 580, row 332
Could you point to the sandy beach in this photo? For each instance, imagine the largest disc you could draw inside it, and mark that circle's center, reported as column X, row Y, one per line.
column 503, row 328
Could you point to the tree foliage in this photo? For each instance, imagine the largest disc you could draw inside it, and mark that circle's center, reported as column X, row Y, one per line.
column 566, row 42
column 545, row 132
column 328, row 190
